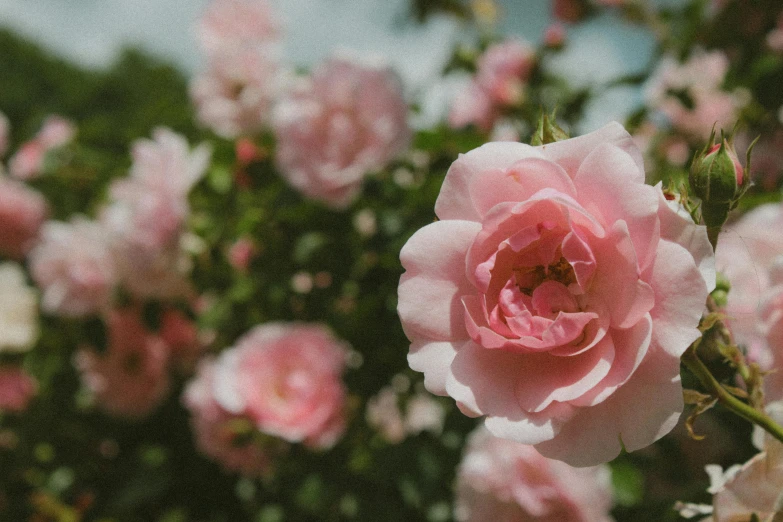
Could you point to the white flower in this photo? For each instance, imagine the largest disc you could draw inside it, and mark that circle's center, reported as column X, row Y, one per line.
column 18, row 310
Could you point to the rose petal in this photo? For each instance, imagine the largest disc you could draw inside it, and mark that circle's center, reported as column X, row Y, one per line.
column 430, row 289
column 454, row 201
column 433, row 359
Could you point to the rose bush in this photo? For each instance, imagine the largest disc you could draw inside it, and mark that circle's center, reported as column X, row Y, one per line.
column 556, row 295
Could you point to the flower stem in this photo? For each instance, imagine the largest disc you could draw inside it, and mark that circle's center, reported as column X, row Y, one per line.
column 729, row 401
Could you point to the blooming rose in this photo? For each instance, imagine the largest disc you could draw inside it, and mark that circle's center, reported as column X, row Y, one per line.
column 130, row 379
column 505, row 481
column 230, row 24
column 22, row 212
column 348, row 119
column 285, row 378
column 147, row 214
column 16, row 389
column 556, row 294
column 73, row 267
column 18, row 310
column 28, row 162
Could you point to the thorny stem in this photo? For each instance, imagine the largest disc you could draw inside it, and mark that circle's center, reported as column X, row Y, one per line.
column 729, row 401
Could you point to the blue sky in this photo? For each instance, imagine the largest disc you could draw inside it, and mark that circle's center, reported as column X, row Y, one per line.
column 92, row 32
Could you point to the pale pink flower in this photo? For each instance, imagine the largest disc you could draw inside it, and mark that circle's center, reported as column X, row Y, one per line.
column 347, row 120
column 384, row 414
column 504, row 481
column 147, row 215
column 556, row 294
column 16, row 389
column 73, row 267
column 28, row 162
column 755, row 487
column 22, row 213
column 689, row 94
column 233, row 95
column 230, row 24
column 5, row 131
column 222, row 436
column 503, row 71
column 18, row 310
column 745, row 254
column 130, row 378
column 424, row 413
column 285, row 378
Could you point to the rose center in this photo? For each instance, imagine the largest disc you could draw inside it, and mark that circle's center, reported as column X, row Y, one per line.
column 528, row 278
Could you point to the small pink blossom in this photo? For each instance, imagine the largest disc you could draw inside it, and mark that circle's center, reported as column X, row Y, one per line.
column 230, row 24
column 555, row 35
column 503, row 71
column 233, row 95
column 347, row 120
column 147, row 215
column 16, row 389
column 384, row 414
column 504, row 481
column 22, row 213
column 286, row 379
column 73, row 267
column 181, row 337
column 28, row 162
column 689, row 94
column 556, row 294
column 130, row 379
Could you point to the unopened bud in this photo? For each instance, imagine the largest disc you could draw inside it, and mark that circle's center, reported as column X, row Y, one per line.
column 716, row 174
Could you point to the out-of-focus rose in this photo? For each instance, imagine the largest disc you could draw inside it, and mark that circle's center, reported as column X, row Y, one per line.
column 555, row 35
column 422, row 413
column 753, row 488
column 147, row 215
column 73, row 268
column 226, row 438
column 231, row 24
column 22, row 212
column 771, row 328
column 18, row 310
column 347, row 120
column 234, row 95
column 181, row 337
column 286, row 379
column 16, row 389
column 689, row 94
column 28, row 162
column 500, row 81
column 504, row 481
column 556, row 294
column 568, row 10
column 130, row 379
column 745, row 254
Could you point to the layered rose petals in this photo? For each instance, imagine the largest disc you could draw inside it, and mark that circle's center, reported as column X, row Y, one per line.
column 556, row 295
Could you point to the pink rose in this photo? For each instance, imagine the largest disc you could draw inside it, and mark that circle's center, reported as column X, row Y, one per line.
column 745, row 255
column 130, row 379
column 148, row 211
column 285, row 378
column 22, row 213
column 230, row 24
column 556, row 294
column 240, row 254
column 16, row 389
column 503, row 71
column 234, row 95
column 504, row 481
column 181, row 337
column 347, row 120
column 73, row 268
column 28, row 162
column 220, row 435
